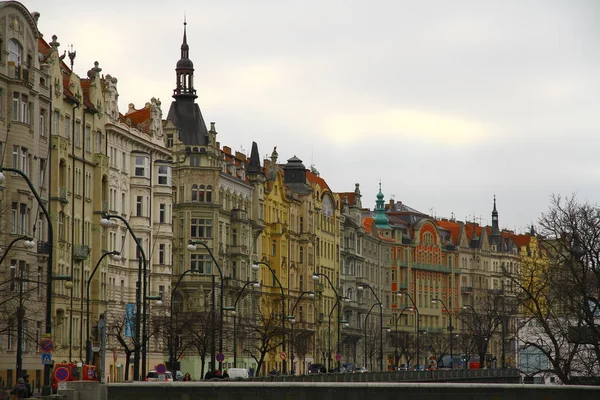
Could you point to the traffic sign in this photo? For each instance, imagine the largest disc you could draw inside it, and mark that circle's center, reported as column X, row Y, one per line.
column 283, row 355
column 338, row 356
column 220, row 357
column 161, row 368
column 47, row 345
column 46, row 358
column 61, row 374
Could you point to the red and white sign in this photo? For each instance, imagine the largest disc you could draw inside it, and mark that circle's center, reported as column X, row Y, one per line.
column 283, row 355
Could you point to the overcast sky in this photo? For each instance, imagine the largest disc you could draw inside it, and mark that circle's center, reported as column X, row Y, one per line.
column 447, row 103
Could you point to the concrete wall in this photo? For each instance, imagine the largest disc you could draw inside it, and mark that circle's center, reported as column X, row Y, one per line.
column 235, row 390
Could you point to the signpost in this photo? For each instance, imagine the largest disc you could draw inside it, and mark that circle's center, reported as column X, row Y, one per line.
column 47, row 345
column 61, row 374
column 46, row 358
column 283, row 355
column 220, row 357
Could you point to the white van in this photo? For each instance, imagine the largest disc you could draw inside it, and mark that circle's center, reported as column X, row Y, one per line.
column 238, row 373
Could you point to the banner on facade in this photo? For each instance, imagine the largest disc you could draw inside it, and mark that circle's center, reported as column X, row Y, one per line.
column 129, row 319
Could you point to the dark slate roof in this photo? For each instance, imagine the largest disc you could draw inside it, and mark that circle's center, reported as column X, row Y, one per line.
column 254, row 164
column 186, row 116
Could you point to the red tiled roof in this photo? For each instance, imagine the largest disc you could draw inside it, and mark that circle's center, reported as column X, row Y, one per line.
column 85, row 86
column 139, row 118
column 348, row 196
column 521, row 240
column 452, row 227
column 368, row 224
column 313, row 178
column 43, row 47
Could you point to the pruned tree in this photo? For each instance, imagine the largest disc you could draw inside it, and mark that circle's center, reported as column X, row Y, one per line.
column 558, row 292
column 467, row 346
column 407, row 346
column 301, row 345
column 438, row 345
column 197, row 334
column 264, row 333
column 120, row 328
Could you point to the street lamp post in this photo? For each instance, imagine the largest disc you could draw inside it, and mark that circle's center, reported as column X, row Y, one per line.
column 311, row 295
column 366, row 339
column 233, row 311
column 450, row 329
column 88, row 343
column 361, row 287
column 46, row 389
column 192, row 247
column 171, row 334
column 316, row 276
column 29, row 244
column 335, row 305
column 140, row 298
column 396, row 355
column 400, row 294
column 256, row 267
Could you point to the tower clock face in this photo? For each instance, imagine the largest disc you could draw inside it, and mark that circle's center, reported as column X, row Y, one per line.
column 327, row 206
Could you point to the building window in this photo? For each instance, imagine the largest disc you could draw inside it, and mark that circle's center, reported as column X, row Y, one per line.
column 1, row 103
column 161, row 254
column 25, row 160
column 169, row 140
column 15, row 157
column 42, row 171
column 24, row 117
column 15, row 52
column 67, row 126
column 164, row 175
column 139, row 206
column 162, row 213
column 201, row 228
column 15, row 106
column 98, row 142
column 43, row 119
column 208, row 197
column 201, row 263
column 77, row 134
column 14, row 225
column 141, row 166
column 194, row 193
column 61, row 225
column 194, row 160
column 55, row 122
column 88, row 138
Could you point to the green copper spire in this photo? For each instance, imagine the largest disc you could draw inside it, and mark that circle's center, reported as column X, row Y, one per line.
column 380, row 219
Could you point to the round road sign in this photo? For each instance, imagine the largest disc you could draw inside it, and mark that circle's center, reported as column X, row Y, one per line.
column 282, row 355
column 47, row 345
column 220, row 357
column 338, row 356
column 61, row 374
column 161, row 368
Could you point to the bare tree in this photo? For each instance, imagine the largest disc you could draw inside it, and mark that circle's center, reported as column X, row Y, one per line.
column 197, row 334
column 558, row 287
column 264, row 334
column 467, row 346
column 438, row 345
column 120, row 328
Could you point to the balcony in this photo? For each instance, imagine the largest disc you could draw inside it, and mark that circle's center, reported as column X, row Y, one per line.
column 43, row 247
column 402, row 285
column 238, row 250
column 80, row 252
column 431, row 267
column 239, row 215
column 467, row 289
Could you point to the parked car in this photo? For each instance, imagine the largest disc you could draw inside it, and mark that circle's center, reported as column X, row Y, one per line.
column 360, row 370
column 317, row 369
column 419, row 368
column 238, row 373
column 179, row 376
column 403, row 367
column 153, row 376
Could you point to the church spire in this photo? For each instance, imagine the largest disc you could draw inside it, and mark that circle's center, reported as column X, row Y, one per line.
column 380, row 219
column 185, row 70
column 495, row 236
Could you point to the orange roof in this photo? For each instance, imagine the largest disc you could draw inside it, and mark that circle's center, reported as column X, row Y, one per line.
column 314, row 178
column 521, row 240
column 368, row 224
column 452, row 227
column 138, row 118
column 43, row 47
column 85, row 86
column 348, row 196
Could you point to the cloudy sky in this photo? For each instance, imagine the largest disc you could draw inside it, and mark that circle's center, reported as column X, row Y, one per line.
column 446, row 103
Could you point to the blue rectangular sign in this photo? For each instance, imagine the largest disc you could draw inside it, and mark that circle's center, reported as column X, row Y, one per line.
column 46, row 358
column 129, row 317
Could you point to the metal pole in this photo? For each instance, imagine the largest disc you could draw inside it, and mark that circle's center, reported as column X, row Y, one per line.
column 339, row 331
column 88, row 342
column 46, row 389
column 381, row 337
column 20, row 329
column 235, row 340
column 213, row 325
column 171, row 329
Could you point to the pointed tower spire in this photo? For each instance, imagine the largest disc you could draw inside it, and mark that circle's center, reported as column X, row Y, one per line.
column 254, row 164
column 185, row 70
column 495, row 236
column 380, row 219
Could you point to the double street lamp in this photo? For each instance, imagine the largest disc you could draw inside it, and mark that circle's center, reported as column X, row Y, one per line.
column 309, row 294
column 140, row 297
column 400, row 294
column 256, row 266
column 116, row 256
column 46, row 389
column 450, row 329
column 192, row 246
column 362, row 287
column 396, row 355
column 233, row 311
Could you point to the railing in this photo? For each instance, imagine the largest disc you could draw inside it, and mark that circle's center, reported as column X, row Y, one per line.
column 467, row 289
column 431, row 267
column 237, row 250
column 43, row 247
column 80, row 252
column 239, row 215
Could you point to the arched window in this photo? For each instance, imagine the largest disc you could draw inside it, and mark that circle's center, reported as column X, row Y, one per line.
column 201, row 193
column 350, row 294
column 194, row 193
column 15, row 52
column 209, row 194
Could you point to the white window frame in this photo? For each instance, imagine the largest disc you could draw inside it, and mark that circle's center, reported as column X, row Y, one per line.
column 142, row 163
